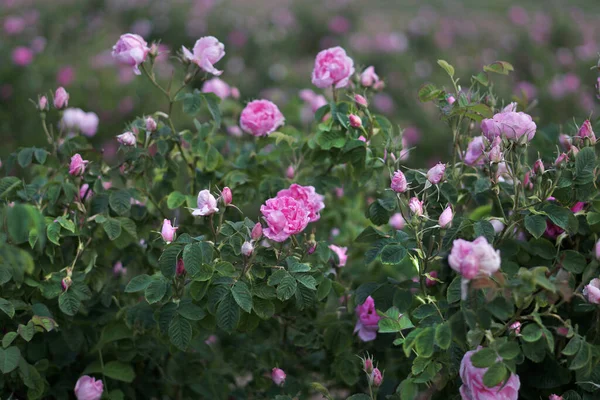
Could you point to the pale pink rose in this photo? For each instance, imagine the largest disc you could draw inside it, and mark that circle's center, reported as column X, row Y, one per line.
column 355, row 121
column 397, row 221
column 89, row 124
column 77, row 165
column 211, row 340
column 234, row 131
column 376, row 377
column 118, row 269
column 247, row 249
column 368, row 77
column 339, row 24
column 285, row 217
column 511, row 107
column 307, row 197
column 341, row 253
column 207, row 52
column 256, row 231
column 498, row 225
column 488, row 258
column 332, row 68
column 473, row 258
column 61, row 98
column 399, row 184
column 85, row 192
column 446, row 216
column 527, row 89
column 312, row 99
column 88, row 388
column 592, row 291
column 586, row 131
column 261, row 117
column 451, row 99
column 22, row 56
column 474, row 154
column 14, row 25
column 218, row 87
column 168, row 231
column 367, row 323
column 436, row 174
column 127, row 139
column 473, row 387
column 278, row 376
column 516, row 126
column 77, row 119
column 360, row 100
column 150, row 124
column 43, row 103
column 207, row 204
column 235, row 93
column 416, row 206
column 226, row 196
column 555, row 397
column 131, row 50
column 515, row 327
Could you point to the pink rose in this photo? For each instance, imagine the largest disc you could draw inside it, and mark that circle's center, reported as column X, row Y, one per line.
column 446, row 217
column 369, row 77
column 416, row 206
column 332, row 67
column 376, row 377
column 127, row 139
column 43, row 103
column 473, row 258
column 61, row 98
column 85, row 192
column 355, row 121
column 515, row 327
column 88, row 125
column 397, row 221
column 473, row 387
column 367, row 324
column 77, row 119
column 218, row 87
column 431, row 282
column 399, row 184
column 22, row 56
column 77, row 165
column 207, row 52
column 285, row 217
column 256, row 232
column 180, row 268
column 308, row 197
column 360, row 100
column 511, row 107
column 118, row 269
column 226, row 196
column 516, row 126
column 207, row 204
column 168, row 231
column 586, row 131
column 88, row 388
column 495, row 154
column 261, row 117
column 341, row 253
column 555, row 397
column 436, row 174
column 131, row 50
column 150, row 124
column 538, row 167
column 592, row 291
column 474, row 154
column 290, row 172
column 278, row 376
column 247, row 249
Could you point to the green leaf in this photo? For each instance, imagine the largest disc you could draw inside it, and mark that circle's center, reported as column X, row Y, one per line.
column 558, row 215
column 212, row 101
column 8, row 185
column 359, row 396
column 428, row 92
column 585, row 162
column 324, row 289
column 484, row 358
column 424, row 342
column 509, row 350
column 228, row 313
column 286, row 288
column 25, row 157
column 168, row 260
column 120, row 201
column 138, row 283
column 573, row 261
column 175, row 200
column 66, row 223
column 536, row 225
column 307, row 281
column 119, row 371
column 180, row 332
column 531, row 333
column 486, row 229
column 211, row 159
column 443, row 336
column 196, row 254
column 206, row 272
column 392, row 254
column 8, row 338
column 378, row 214
column 583, row 357
column 40, row 155
column 192, row 102
column 454, row 290
column 369, row 235
column 26, row 331
column 263, row 308
column 112, row 227
column 447, row 67
column 593, row 218
column 9, row 359
column 7, row 307
column 495, row 375
column 155, row 291
column 69, row 303
column 242, row 296
column 280, row 137
column 573, row 346
column 190, row 311
column 499, row 67
column 331, row 139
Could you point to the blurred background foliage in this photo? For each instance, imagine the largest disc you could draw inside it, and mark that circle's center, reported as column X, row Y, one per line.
column 271, row 45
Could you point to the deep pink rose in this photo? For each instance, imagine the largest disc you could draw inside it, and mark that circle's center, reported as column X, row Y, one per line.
column 61, row 98
column 332, row 67
column 261, row 117
column 474, row 389
column 516, row 126
column 592, row 291
column 474, row 154
column 207, row 52
column 131, row 50
column 555, row 397
column 226, row 196
column 367, row 324
column 399, row 183
column 308, row 197
column 586, row 131
column 285, row 217
column 431, row 282
column 436, row 173
column 278, row 376
column 218, row 87
column 180, row 268
column 77, row 165
column 207, row 204
column 341, row 253
column 88, row 388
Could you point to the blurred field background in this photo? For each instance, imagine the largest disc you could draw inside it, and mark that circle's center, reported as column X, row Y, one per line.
column 271, row 45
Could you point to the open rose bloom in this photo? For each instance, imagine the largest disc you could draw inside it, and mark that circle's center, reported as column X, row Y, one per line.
column 367, row 323
column 473, row 387
column 261, row 117
column 332, row 68
column 206, row 52
column 131, row 50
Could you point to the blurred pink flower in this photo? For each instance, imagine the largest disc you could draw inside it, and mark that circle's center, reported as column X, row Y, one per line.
column 65, row 75
column 341, row 253
column 13, row 25
column 338, row 24
column 218, row 87
column 22, row 56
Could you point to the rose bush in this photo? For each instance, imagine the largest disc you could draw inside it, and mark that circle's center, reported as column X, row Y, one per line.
column 280, row 264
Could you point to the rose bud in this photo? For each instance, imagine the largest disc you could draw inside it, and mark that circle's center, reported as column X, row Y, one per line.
column 88, row 388
column 66, row 283
column 586, row 131
column 226, row 196
column 431, row 282
column 278, row 376
column 61, row 98
column 43, row 103
column 247, row 249
column 592, row 291
column 168, row 231
column 416, row 206
column 256, row 231
column 436, row 174
column 446, row 218
column 376, row 377
column 290, row 172
column 150, row 124
column 515, row 327
column 127, row 139
column 180, row 269
column 77, row 165
column 538, row 167
column 355, row 121
column 450, row 99
column 360, row 101
column 561, row 159
column 399, row 184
